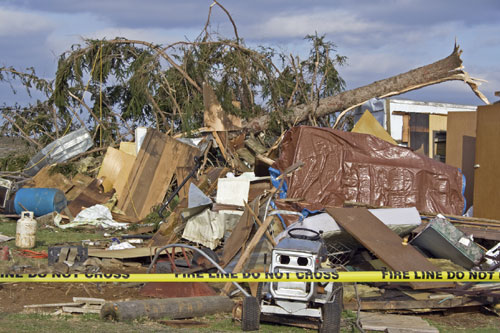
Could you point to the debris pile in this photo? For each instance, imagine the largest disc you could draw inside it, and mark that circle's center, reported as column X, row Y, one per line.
column 222, row 198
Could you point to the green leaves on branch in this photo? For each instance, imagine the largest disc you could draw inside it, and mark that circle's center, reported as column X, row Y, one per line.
column 112, row 86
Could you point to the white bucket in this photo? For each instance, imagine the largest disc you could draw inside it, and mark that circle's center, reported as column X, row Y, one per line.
column 26, row 231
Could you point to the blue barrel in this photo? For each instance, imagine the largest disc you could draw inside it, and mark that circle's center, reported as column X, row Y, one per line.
column 40, row 201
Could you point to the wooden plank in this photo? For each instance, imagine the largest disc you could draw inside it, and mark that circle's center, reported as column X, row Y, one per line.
column 181, row 173
column 239, row 236
column 141, row 176
column 481, row 232
column 459, row 124
column 90, row 196
column 152, row 172
column 247, row 252
column 268, row 235
column 80, row 182
column 127, row 253
column 115, row 169
column 128, row 147
column 81, row 310
column 384, row 243
column 254, row 145
column 457, row 302
column 246, row 155
column 389, row 322
column 53, row 305
column 89, row 300
column 45, row 179
column 487, row 175
column 175, row 154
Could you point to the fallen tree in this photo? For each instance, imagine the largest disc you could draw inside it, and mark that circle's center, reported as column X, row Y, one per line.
column 111, row 86
column 447, row 69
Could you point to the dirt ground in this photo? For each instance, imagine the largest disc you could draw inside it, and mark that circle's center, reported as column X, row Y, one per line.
column 13, row 296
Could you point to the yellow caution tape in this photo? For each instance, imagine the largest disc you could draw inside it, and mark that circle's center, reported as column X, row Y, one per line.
column 417, row 276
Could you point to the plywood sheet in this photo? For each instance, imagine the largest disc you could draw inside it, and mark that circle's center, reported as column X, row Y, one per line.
column 367, row 124
column 487, row 175
column 128, row 147
column 80, row 182
column 45, row 179
column 384, row 243
column 459, row 124
column 90, row 196
column 127, row 253
column 115, row 169
column 152, row 172
column 181, row 173
column 392, row 322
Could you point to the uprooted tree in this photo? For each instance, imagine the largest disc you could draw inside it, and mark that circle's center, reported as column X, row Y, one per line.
column 111, row 86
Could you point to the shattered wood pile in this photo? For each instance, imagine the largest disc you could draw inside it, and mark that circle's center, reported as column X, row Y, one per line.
column 236, row 196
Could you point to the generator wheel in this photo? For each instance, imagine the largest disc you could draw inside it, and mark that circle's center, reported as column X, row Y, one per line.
column 250, row 316
column 332, row 312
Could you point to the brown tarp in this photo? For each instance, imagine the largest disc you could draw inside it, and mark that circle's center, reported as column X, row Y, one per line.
column 344, row 166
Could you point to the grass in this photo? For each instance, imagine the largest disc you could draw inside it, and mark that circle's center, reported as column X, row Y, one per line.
column 92, row 323
column 47, row 236
column 47, row 323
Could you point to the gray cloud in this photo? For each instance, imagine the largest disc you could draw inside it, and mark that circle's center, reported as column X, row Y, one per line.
column 380, row 37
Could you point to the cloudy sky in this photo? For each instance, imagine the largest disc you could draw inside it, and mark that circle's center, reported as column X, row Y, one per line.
column 381, row 38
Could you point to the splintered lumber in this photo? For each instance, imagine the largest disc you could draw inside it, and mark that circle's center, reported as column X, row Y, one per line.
column 255, row 146
column 44, row 178
column 89, row 309
column 248, row 251
column 90, row 196
column 394, row 323
column 240, row 235
column 214, row 116
column 384, row 243
column 89, row 300
column 388, row 305
column 52, row 305
column 115, row 169
column 447, row 69
column 153, row 170
column 173, row 308
column 268, row 235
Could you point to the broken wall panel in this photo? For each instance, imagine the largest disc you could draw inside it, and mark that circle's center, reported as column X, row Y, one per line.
column 487, row 174
column 459, row 124
column 115, row 169
column 384, row 243
column 153, row 169
column 342, row 166
column 461, row 147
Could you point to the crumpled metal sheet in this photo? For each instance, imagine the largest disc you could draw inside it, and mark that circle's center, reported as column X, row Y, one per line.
column 60, row 150
column 344, row 166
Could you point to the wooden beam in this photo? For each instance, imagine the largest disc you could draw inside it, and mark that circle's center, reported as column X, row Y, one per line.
column 247, row 252
column 259, row 222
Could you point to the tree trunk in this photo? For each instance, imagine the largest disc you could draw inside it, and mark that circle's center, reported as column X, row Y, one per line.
column 447, row 69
